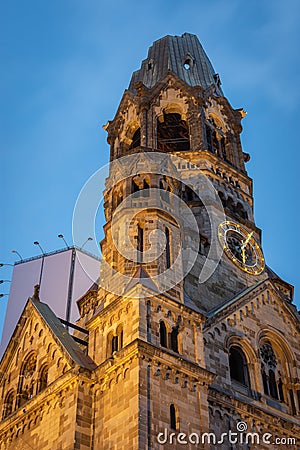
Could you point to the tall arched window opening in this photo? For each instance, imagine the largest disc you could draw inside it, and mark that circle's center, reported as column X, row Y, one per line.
column 238, row 366
column 109, row 344
column 43, row 379
column 174, row 339
column 215, row 139
column 114, row 345
column 27, row 381
column 136, row 139
column 163, row 336
column 140, row 244
column 173, row 417
column 209, row 141
column 120, row 337
column 8, row 405
column 271, row 376
column 273, row 385
column 114, row 341
column 173, row 133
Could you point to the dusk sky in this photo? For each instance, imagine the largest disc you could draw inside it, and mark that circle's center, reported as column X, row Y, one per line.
column 65, row 66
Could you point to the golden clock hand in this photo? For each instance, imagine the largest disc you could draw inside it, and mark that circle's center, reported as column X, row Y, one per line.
column 247, row 240
column 243, row 255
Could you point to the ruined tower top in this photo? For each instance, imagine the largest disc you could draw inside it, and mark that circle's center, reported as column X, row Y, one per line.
column 182, row 55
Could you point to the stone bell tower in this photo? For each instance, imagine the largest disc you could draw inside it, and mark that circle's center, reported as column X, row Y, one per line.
column 175, row 105
column 154, row 333
column 188, row 335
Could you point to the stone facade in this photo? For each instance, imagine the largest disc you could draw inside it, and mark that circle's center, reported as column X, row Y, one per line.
column 158, row 357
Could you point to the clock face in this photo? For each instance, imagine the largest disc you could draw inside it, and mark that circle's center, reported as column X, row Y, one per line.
column 240, row 246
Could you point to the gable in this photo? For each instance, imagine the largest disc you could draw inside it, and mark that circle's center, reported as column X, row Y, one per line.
column 31, row 337
column 260, row 314
column 262, row 301
column 39, row 352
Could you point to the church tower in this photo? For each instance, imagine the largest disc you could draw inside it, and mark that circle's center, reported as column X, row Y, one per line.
column 188, row 336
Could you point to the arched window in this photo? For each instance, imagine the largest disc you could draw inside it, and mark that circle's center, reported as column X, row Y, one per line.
column 43, row 379
column 140, row 244
column 173, row 133
column 26, row 380
column 114, row 341
column 215, row 143
column 215, row 140
column 271, row 378
column 238, row 366
column 136, row 139
column 8, row 405
column 163, row 334
column 209, row 141
column 109, row 344
column 174, row 421
column 273, row 384
column 168, row 248
column 120, row 337
column 114, row 344
column 174, row 339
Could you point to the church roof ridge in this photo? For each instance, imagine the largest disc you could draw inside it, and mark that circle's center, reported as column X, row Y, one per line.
column 65, row 339
column 234, row 299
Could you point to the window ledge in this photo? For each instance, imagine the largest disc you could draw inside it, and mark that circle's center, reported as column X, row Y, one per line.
column 276, row 404
column 243, row 389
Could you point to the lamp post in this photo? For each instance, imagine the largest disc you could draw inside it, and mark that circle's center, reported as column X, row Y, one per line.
column 5, row 281
column 4, row 264
column 61, row 236
column 15, row 251
column 38, row 244
column 88, row 239
column 3, row 295
column 42, row 266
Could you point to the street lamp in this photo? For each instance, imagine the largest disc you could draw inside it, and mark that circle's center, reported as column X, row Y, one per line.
column 5, row 281
column 38, row 244
column 61, row 236
column 88, row 239
column 15, row 251
column 3, row 295
column 42, row 266
column 4, row 264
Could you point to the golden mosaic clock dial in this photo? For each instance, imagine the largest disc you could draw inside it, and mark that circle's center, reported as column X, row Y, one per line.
column 241, row 247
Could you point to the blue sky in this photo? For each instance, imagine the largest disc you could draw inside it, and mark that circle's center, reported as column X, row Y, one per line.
column 65, row 65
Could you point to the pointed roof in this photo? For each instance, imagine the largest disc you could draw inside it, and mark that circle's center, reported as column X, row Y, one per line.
column 62, row 335
column 141, row 277
column 59, row 332
column 182, row 55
